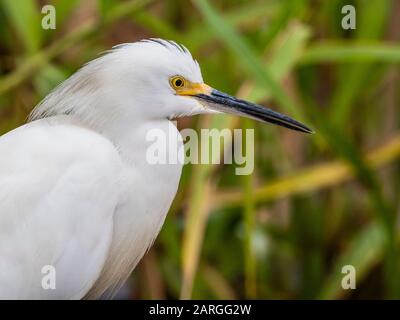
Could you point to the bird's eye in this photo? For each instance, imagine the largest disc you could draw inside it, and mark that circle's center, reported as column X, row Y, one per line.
column 177, row 82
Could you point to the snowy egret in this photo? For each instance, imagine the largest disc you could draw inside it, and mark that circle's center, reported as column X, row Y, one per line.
column 77, row 196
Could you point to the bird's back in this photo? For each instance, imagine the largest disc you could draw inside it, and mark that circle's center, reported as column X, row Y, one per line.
column 58, row 194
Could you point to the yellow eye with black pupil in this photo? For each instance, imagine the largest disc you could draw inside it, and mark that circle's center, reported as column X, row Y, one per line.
column 177, row 82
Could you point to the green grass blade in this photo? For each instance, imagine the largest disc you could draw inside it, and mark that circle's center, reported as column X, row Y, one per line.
column 26, row 19
column 371, row 19
column 352, row 52
column 363, row 252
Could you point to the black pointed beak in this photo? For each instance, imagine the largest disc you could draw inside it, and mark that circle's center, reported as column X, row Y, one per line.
column 223, row 102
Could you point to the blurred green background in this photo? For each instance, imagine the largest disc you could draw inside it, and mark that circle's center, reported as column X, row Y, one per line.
column 314, row 203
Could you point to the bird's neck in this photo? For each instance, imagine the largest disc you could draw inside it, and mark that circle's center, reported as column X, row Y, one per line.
column 146, row 143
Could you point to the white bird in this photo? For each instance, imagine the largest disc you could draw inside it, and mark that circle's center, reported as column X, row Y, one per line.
column 76, row 191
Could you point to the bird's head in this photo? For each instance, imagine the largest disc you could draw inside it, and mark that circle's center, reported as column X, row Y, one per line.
column 149, row 80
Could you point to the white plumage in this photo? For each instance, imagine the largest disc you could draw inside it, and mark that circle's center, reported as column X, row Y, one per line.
column 76, row 190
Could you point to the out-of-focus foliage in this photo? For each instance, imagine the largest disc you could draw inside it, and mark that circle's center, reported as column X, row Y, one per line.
column 314, row 203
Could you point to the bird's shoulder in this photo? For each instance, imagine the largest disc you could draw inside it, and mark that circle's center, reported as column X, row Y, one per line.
column 57, row 137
